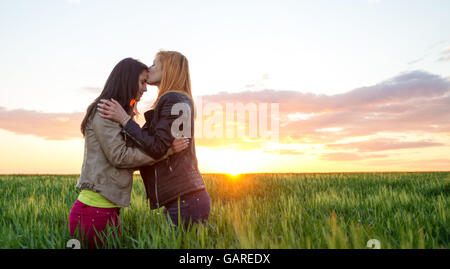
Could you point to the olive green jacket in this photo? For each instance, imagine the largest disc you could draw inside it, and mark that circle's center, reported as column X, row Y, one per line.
column 109, row 160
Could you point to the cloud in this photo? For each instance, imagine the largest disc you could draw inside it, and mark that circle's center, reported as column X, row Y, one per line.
column 445, row 55
column 381, row 144
column 410, row 102
column 431, row 50
column 259, row 83
column 349, row 156
column 286, row 152
column 436, row 44
column 398, row 90
column 416, row 60
column 50, row 126
column 415, row 102
column 441, row 164
column 444, row 58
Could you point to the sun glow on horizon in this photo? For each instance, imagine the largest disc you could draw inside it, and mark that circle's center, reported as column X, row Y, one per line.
column 230, row 161
column 27, row 154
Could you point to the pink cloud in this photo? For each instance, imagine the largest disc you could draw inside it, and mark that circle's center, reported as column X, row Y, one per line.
column 50, row 126
column 440, row 164
column 410, row 102
column 381, row 144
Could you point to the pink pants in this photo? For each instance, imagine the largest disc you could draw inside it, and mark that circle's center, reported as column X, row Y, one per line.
column 91, row 222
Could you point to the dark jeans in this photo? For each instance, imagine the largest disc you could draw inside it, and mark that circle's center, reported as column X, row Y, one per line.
column 194, row 207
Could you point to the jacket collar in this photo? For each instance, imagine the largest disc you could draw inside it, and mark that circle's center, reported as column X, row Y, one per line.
column 148, row 115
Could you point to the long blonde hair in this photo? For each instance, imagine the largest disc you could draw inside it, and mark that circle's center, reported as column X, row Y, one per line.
column 175, row 75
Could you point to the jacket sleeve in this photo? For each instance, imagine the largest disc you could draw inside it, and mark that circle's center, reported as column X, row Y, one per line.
column 108, row 133
column 155, row 145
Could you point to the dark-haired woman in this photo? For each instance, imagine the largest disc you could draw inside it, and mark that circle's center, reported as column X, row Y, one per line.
column 107, row 173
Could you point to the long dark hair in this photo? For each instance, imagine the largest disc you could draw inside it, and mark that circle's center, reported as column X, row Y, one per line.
column 122, row 85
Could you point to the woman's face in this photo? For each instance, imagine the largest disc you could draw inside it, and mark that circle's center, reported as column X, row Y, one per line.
column 142, row 85
column 155, row 73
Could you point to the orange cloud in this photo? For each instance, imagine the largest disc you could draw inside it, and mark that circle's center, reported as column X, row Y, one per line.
column 349, row 156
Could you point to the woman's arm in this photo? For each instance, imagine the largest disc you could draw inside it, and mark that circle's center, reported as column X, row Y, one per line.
column 108, row 134
column 155, row 145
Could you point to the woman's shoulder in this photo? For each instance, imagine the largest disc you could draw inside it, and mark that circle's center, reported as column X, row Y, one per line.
column 174, row 96
column 168, row 100
column 100, row 122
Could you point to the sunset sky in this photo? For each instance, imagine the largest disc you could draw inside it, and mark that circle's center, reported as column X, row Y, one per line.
column 362, row 85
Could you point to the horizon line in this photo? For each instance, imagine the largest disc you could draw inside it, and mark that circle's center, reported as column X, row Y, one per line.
column 212, row 173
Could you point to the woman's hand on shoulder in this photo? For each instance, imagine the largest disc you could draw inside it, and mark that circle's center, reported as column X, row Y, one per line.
column 113, row 110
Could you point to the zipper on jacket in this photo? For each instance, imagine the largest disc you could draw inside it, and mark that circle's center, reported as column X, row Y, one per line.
column 156, row 189
column 167, row 163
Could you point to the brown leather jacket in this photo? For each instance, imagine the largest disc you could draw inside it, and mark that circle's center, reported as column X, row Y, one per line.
column 109, row 160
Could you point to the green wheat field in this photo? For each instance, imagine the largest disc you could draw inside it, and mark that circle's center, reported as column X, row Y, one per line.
column 258, row 211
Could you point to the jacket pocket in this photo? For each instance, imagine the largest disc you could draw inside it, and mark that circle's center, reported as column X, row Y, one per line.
column 122, row 178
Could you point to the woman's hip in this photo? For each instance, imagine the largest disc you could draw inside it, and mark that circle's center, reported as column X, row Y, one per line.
column 196, row 205
column 85, row 215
